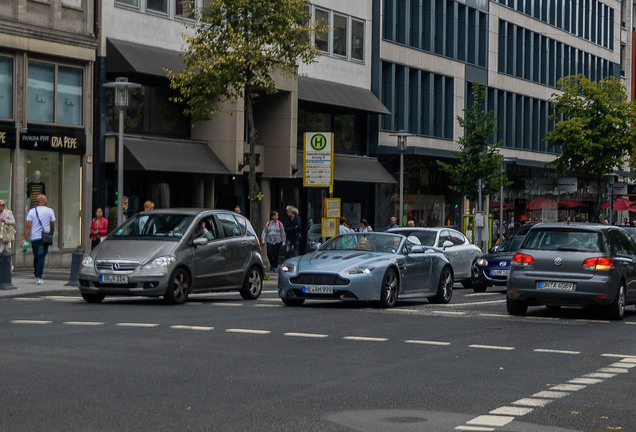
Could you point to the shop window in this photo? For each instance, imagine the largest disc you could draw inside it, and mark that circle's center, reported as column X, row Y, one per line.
column 6, row 87
column 340, row 35
column 322, row 39
column 5, row 175
column 357, row 40
column 55, row 94
column 157, row 5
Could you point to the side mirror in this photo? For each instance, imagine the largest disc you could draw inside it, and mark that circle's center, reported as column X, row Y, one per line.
column 447, row 243
column 200, row 241
column 417, row 249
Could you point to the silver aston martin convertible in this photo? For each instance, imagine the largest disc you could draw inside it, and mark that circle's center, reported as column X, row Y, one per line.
column 376, row 267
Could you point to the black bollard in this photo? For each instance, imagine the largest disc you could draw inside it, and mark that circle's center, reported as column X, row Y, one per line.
column 76, row 263
column 5, row 271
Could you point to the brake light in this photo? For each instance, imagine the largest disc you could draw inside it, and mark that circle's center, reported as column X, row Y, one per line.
column 522, row 259
column 598, row 263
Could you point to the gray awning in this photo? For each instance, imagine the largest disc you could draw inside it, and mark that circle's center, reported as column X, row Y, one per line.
column 127, row 57
column 352, row 168
column 152, row 154
column 329, row 93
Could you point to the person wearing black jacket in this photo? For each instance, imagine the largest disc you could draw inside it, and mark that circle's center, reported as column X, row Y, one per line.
column 292, row 231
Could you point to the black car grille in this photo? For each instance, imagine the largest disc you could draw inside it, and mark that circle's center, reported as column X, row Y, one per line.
column 116, row 266
column 319, row 279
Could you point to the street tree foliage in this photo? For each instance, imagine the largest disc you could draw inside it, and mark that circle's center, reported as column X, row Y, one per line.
column 232, row 52
column 593, row 131
column 477, row 158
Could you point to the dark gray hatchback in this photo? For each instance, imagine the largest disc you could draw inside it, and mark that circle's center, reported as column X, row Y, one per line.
column 173, row 253
column 577, row 264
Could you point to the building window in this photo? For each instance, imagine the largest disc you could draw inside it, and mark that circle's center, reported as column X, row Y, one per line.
column 157, row 5
column 322, row 39
column 134, row 3
column 340, row 35
column 55, row 94
column 6, row 87
column 357, row 39
column 184, row 9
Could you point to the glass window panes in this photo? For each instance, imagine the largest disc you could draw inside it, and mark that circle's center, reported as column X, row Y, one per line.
column 69, row 96
column 357, row 40
column 6, row 87
column 184, row 8
column 157, row 5
column 322, row 39
column 340, row 35
column 134, row 3
column 41, row 101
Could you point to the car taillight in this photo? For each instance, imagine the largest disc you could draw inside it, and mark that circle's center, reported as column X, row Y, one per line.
column 522, row 259
column 598, row 263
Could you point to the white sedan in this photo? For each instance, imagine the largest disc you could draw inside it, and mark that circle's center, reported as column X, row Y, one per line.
column 459, row 250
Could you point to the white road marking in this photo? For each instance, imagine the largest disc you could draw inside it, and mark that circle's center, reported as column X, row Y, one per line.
column 84, row 323
column 143, row 325
column 365, row 339
column 585, row 381
column 494, row 315
column 568, row 387
column 472, row 303
column 622, row 365
column 277, row 299
column 515, row 411
column 547, row 394
column 482, row 294
column 592, row 321
column 248, row 331
column 31, row 322
column 474, row 428
column 630, row 323
column 27, row 299
column 424, row 342
column 629, row 360
column 613, row 370
column 189, row 327
column 405, row 310
column 268, row 305
column 542, row 318
column 306, row 335
column 62, row 298
column 490, row 420
column 448, row 312
column 539, row 350
column 228, row 304
column 492, row 347
column 533, row 402
column 625, row 357
column 599, row 375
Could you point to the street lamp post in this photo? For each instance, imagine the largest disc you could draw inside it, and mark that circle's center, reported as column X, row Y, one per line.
column 401, row 146
column 121, row 86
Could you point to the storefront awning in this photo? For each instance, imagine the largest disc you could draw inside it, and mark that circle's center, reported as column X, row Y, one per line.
column 127, row 57
column 329, row 93
column 352, row 168
column 150, row 154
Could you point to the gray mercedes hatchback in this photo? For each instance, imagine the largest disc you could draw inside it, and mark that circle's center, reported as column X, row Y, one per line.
column 577, row 264
column 173, row 253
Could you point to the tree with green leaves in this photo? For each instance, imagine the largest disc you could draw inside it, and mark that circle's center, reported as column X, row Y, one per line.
column 593, row 131
column 477, row 157
column 233, row 51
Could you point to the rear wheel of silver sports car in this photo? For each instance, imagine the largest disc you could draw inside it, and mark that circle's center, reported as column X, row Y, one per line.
column 178, row 288
column 389, row 292
column 444, row 287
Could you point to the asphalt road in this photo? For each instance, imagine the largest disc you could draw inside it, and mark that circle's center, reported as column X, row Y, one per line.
column 220, row 363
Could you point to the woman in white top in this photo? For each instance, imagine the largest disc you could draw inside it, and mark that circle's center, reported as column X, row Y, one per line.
column 364, row 226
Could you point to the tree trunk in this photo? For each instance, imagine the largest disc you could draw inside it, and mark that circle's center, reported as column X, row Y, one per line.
column 254, row 190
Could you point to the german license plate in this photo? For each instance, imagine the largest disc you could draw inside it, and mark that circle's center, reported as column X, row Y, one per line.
column 556, row 286
column 499, row 272
column 114, row 279
column 318, row 289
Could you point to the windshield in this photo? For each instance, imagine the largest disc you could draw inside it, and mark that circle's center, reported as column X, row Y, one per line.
column 426, row 238
column 365, row 242
column 563, row 240
column 510, row 244
column 155, row 225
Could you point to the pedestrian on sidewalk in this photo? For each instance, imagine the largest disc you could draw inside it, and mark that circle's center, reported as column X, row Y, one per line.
column 274, row 237
column 292, row 232
column 99, row 228
column 7, row 230
column 40, row 222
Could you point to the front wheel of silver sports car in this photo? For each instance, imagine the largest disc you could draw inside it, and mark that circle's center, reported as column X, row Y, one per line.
column 444, row 287
column 389, row 290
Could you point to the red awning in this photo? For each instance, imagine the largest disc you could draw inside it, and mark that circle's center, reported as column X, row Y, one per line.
column 541, row 204
column 571, row 203
column 621, row 204
column 496, row 205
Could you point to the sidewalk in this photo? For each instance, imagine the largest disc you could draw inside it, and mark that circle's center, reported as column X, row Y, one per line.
column 56, row 283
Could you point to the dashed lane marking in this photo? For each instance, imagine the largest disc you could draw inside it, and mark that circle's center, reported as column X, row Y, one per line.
column 438, row 312
column 249, row 331
column 190, row 327
column 492, row 347
column 532, row 402
column 305, row 335
column 38, row 322
column 365, row 339
column 510, row 410
column 490, row 420
column 425, row 342
column 472, row 303
column 228, row 304
column 553, row 351
column 474, row 428
column 142, row 325
column 84, row 323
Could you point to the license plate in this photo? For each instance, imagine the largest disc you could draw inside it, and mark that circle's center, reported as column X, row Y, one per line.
column 556, row 286
column 114, row 279
column 499, row 272
column 318, row 289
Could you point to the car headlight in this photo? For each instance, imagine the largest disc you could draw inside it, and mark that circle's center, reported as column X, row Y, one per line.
column 360, row 270
column 162, row 261
column 288, row 268
column 482, row 262
column 88, row 262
